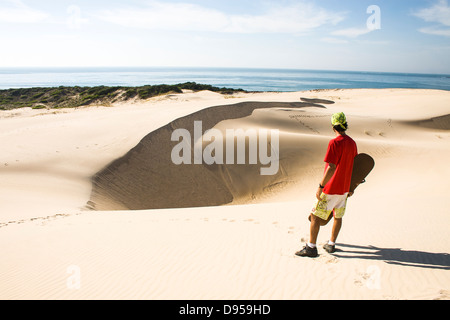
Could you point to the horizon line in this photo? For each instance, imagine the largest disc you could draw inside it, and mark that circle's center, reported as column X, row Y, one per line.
column 224, row 68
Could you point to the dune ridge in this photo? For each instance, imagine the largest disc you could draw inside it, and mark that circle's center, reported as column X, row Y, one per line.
column 145, row 178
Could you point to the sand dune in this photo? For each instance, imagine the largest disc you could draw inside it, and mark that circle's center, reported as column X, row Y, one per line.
column 439, row 123
column 146, row 178
column 394, row 243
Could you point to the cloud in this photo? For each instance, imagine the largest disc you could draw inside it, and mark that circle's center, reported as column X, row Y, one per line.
column 158, row 15
column 439, row 13
column 435, row 31
column 351, row 32
column 298, row 18
column 15, row 11
column 165, row 16
column 374, row 42
column 334, row 40
column 75, row 20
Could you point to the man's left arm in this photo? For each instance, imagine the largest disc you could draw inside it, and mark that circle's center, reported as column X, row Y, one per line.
column 326, row 178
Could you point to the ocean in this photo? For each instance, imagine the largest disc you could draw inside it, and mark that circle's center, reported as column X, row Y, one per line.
column 247, row 79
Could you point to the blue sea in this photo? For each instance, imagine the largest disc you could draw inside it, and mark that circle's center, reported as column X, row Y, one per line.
column 247, row 79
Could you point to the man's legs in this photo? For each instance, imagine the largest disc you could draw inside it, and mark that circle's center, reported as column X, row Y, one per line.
column 330, row 247
column 310, row 250
column 320, row 217
column 336, row 228
column 322, row 222
column 316, row 223
column 314, row 229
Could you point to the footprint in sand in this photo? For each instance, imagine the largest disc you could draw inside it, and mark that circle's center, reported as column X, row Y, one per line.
column 362, row 278
column 358, row 283
column 332, row 259
column 443, row 295
column 371, row 278
column 291, row 230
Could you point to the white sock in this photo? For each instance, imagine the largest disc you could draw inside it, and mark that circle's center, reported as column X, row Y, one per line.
column 331, row 243
column 311, row 245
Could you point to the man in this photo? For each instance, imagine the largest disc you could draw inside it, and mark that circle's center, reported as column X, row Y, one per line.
column 334, row 188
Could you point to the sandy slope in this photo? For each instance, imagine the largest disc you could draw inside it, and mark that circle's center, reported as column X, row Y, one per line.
column 394, row 243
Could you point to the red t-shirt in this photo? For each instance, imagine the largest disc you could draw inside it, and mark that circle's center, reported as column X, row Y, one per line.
column 341, row 152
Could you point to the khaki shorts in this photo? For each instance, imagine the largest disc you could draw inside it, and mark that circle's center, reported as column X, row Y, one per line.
column 328, row 203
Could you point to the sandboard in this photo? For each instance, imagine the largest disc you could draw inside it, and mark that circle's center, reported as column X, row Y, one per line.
column 362, row 166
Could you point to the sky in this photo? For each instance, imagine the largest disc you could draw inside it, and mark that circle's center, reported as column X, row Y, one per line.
column 410, row 36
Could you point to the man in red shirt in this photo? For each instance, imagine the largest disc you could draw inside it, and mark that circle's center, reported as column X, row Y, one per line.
column 334, row 188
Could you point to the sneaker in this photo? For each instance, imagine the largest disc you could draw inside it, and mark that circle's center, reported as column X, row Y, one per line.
column 307, row 252
column 329, row 248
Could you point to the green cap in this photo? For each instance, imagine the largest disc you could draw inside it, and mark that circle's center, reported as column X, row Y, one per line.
column 339, row 119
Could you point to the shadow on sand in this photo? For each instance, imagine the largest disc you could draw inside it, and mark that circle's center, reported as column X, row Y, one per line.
column 396, row 256
column 321, row 101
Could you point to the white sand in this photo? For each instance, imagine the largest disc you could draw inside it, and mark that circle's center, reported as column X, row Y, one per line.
column 394, row 243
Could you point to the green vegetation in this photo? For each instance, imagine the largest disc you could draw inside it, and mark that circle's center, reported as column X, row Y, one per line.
column 39, row 106
column 70, row 97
